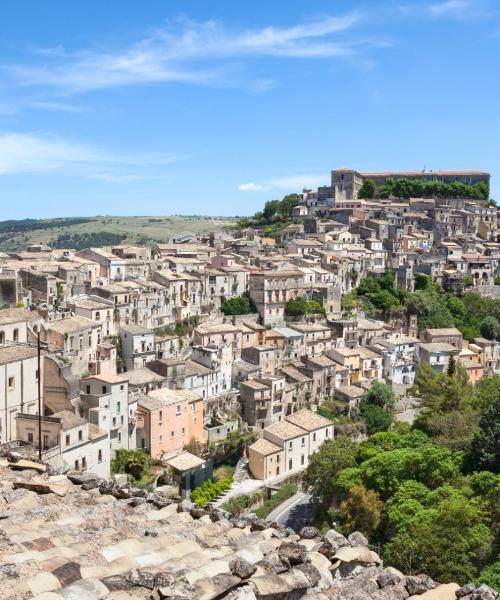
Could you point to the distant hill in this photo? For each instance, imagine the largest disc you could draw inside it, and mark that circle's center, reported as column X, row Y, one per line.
column 76, row 232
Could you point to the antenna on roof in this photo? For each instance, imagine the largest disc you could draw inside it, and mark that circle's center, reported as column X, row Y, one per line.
column 423, row 170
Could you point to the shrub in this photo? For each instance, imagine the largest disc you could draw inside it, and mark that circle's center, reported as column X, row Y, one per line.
column 209, row 490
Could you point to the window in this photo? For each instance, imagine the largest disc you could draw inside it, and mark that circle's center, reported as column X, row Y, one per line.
column 161, row 437
column 2, row 337
column 84, row 462
column 183, row 431
column 87, row 388
column 104, row 389
column 290, row 465
column 99, row 456
column 77, row 465
column 302, row 459
column 45, row 441
column 314, row 436
column 118, row 407
column 67, row 440
column 178, row 409
column 290, row 445
column 327, row 433
column 119, row 436
column 122, row 387
column 160, row 417
column 15, row 335
column 172, row 434
column 11, row 383
column 30, row 437
column 303, row 442
column 98, row 316
column 80, row 435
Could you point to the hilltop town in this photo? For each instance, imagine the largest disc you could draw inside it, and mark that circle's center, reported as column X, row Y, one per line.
column 220, row 365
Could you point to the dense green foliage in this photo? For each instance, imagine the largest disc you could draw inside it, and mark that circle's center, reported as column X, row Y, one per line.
column 240, row 503
column 403, row 188
column 239, row 305
column 367, row 190
column 80, row 241
column 285, row 492
column 300, row 306
column 429, row 494
column 274, row 217
column 474, row 315
column 130, row 461
column 209, row 491
column 376, row 407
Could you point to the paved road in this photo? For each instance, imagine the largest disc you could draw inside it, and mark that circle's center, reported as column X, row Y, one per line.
column 295, row 514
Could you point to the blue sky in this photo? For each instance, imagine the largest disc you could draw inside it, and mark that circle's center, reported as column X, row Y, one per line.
column 213, row 107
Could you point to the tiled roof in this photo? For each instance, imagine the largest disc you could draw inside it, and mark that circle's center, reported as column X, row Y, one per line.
column 15, row 315
column 308, row 420
column 72, row 324
column 263, row 446
column 285, row 430
column 10, row 354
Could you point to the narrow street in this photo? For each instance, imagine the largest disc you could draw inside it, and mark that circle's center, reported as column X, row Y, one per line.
column 296, row 512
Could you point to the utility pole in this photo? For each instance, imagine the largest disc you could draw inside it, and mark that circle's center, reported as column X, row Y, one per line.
column 40, row 415
column 38, row 347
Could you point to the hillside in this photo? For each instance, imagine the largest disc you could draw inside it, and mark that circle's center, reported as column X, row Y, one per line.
column 68, row 232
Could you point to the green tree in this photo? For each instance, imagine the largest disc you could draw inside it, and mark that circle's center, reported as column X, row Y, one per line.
column 376, row 405
column 367, row 190
column 362, row 510
column 239, row 305
column 367, row 285
column 490, row 328
column 484, row 452
column 490, row 575
column 315, row 307
column 375, row 418
column 270, row 209
column 452, row 540
column 452, row 429
column 422, row 281
column 486, row 392
column 380, row 394
column 326, row 464
column 296, row 307
column 287, row 204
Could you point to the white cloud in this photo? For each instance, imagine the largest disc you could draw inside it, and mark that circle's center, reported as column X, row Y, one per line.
column 185, row 51
column 292, row 182
column 450, row 7
column 31, row 153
